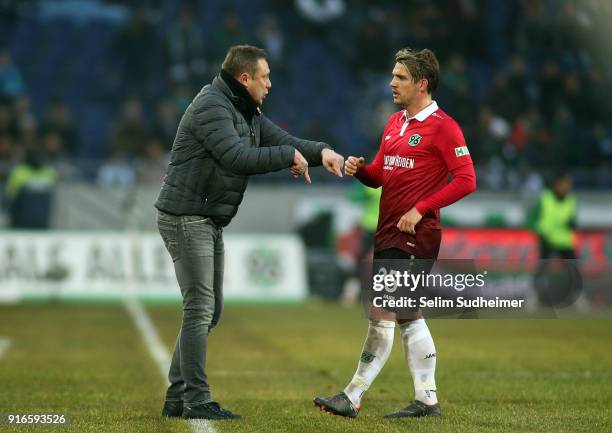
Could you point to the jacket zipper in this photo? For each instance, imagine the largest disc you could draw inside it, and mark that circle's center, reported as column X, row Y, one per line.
column 252, row 133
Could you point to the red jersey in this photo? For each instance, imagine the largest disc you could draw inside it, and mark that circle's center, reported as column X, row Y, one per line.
column 413, row 164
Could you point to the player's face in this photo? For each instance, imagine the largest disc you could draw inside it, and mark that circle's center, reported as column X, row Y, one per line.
column 403, row 87
column 259, row 85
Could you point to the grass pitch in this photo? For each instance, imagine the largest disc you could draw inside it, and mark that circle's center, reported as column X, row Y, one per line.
column 268, row 362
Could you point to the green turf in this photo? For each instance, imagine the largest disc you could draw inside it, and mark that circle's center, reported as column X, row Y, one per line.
column 267, row 362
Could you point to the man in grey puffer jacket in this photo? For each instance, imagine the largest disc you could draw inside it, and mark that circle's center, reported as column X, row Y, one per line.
column 221, row 140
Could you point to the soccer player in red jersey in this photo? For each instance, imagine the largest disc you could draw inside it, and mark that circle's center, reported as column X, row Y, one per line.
column 421, row 145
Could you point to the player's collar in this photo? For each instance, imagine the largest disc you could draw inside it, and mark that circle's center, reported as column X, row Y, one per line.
column 423, row 114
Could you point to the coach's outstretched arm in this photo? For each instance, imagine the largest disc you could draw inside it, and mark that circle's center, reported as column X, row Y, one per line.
column 315, row 152
column 215, row 128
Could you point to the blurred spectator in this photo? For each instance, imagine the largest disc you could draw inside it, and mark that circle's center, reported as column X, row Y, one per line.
column 519, row 82
column 455, row 76
column 58, row 119
column 491, row 174
column 371, row 39
column 22, row 107
column 152, row 167
column 27, row 125
column 271, row 39
column 505, row 100
column 550, row 88
column 29, row 192
column 7, row 120
column 321, row 11
column 130, row 134
column 533, row 183
column 227, row 34
column 597, row 146
column 604, row 141
column 463, row 15
column 181, row 97
column 7, row 153
column 11, row 83
column 493, row 131
column 166, row 122
column 135, row 47
column 54, row 148
column 185, row 49
column 53, row 144
column 540, row 151
column 534, row 30
column 457, row 81
column 563, row 127
column 597, row 94
column 572, row 93
column 117, row 171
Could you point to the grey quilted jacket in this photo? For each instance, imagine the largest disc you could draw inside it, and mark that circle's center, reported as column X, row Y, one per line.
column 219, row 143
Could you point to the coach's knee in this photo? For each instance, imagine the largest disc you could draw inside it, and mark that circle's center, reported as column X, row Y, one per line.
column 196, row 317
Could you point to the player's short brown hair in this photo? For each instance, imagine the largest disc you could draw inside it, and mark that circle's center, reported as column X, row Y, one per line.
column 421, row 64
column 242, row 58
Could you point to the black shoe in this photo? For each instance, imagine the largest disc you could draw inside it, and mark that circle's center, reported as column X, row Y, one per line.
column 416, row 409
column 338, row 404
column 210, row 410
column 172, row 409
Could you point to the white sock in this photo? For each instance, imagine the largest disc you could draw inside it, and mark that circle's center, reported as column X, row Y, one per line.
column 375, row 352
column 421, row 356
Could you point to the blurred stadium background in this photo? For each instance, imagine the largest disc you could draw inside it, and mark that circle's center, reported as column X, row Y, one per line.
column 91, row 93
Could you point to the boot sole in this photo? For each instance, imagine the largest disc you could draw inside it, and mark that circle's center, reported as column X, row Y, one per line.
column 332, row 411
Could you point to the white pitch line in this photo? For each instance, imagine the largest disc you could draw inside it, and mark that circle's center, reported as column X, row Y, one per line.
column 149, row 335
column 158, row 352
column 5, row 343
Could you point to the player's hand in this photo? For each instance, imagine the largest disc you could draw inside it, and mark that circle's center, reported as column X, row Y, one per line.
column 353, row 164
column 409, row 220
column 300, row 166
column 332, row 161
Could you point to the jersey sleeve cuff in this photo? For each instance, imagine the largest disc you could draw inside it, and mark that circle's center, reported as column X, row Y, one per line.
column 421, row 207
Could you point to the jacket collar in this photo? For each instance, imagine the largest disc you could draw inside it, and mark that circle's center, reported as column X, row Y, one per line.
column 237, row 94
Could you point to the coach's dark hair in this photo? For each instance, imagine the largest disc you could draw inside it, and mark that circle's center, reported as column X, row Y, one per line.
column 242, row 58
column 421, row 65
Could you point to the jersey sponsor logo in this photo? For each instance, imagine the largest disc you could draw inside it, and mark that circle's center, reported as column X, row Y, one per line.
column 398, row 161
column 414, row 140
column 461, row 151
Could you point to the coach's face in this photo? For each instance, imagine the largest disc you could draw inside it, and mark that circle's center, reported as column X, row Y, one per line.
column 259, row 85
column 403, row 87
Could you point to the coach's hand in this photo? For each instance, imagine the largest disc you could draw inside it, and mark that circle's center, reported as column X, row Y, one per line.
column 409, row 220
column 353, row 165
column 332, row 161
column 300, row 166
